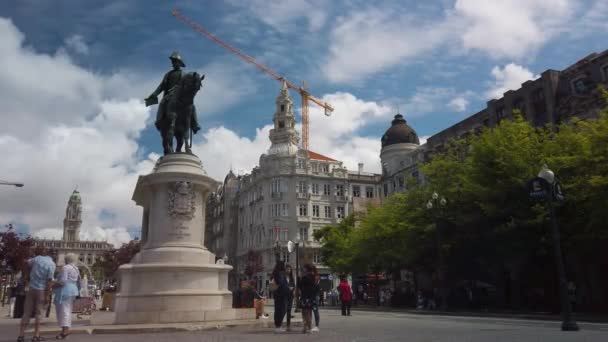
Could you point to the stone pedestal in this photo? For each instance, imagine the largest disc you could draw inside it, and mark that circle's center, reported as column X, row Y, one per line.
column 174, row 278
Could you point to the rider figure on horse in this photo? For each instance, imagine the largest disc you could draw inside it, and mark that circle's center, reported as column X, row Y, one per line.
column 165, row 121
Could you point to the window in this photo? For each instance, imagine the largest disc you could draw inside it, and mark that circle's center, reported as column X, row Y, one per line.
column 385, row 189
column 520, row 105
column 400, row 179
column 500, row 113
column 281, row 124
column 340, row 212
column 302, row 187
column 284, row 234
column 327, row 211
column 356, row 191
column 303, row 209
column 486, row 123
column 339, row 190
column 285, row 256
column 580, row 85
column 326, row 189
column 325, row 168
column 369, row 191
column 538, row 95
column 304, row 234
column 315, row 167
column 315, row 211
column 284, row 209
column 316, row 258
column 301, row 164
column 276, row 185
column 283, row 108
column 315, row 188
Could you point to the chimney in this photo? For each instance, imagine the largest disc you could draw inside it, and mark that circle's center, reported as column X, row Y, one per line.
column 360, row 168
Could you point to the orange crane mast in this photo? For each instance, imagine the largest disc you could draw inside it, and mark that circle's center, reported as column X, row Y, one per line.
column 299, row 89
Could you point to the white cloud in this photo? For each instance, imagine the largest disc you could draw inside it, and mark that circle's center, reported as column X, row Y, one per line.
column 369, row 40
column 282, row 15
column 68, row 127
column 511, row 28
column 77, row 44
column 225, row 84
column 423, row 139
column 510, row 77
column 459, row 104
column 431, row 99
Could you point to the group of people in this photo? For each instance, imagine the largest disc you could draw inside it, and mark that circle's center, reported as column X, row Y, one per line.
column 307, row 295
column 306, row 292
column 42, row 281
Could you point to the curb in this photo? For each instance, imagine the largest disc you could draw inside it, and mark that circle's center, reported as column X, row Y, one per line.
column 523, row 316
column 164, row 328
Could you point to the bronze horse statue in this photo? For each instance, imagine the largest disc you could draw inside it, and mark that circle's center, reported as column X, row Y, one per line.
column 179, row 119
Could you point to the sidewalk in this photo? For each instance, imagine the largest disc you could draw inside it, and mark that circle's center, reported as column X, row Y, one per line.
column 542, row 316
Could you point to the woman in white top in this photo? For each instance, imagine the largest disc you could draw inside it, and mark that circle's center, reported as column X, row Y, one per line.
column 66, row 290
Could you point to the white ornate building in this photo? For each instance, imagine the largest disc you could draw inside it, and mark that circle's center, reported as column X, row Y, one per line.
column 292, row 193
column 87, row 251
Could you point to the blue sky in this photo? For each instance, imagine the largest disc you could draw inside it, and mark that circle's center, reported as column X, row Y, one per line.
column 90, row 64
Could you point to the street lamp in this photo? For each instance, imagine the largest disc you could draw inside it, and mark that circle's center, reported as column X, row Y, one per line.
column 545, row 187
column 435, row 203
column 19, row 185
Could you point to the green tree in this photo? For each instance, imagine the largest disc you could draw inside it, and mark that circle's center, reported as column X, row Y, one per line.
column 337, row 250
column 113, row 259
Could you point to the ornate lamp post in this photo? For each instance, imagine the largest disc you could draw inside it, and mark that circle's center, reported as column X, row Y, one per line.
column 546, row 188
column 436, row 204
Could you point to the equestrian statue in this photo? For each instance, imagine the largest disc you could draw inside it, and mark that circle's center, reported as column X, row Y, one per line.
column 176, row 116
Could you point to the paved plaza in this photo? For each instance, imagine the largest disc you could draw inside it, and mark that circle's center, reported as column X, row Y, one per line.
column 372, row 326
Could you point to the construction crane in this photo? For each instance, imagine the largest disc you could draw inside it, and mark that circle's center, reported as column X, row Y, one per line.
column 304, row 94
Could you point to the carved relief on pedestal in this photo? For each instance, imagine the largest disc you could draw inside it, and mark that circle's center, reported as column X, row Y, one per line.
column 182, row 201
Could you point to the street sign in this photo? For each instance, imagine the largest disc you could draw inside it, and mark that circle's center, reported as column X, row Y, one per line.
column 537, row 188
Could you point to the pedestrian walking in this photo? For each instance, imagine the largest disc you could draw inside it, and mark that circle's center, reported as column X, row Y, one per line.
column 291, row 283
column 280, row 288
column 66, row 290
column 318, row 295
column 345, row 295
column 41, row 269
column 306, row 287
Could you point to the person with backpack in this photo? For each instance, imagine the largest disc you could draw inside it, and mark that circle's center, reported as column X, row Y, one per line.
column 280, row 288
column 345, row 295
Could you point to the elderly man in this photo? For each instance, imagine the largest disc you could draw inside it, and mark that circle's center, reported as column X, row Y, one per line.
column 41, row 270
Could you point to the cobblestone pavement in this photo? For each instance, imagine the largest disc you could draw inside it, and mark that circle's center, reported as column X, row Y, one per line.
column 373, row 326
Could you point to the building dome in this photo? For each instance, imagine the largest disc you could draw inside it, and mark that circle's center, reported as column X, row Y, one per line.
column 400, row 133
column 229, row 176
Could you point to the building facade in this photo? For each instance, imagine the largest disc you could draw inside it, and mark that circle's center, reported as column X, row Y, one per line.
column 292, row 193
column 88, row 252
column 553, row 98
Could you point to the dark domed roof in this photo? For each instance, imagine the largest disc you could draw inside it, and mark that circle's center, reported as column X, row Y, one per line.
column 229, row 176
column 399, row 133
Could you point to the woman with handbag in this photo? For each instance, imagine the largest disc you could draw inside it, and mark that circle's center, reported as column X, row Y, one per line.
column 66, row 290
column 280, row 288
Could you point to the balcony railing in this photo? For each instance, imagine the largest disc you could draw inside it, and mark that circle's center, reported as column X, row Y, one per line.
column 303, row 195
